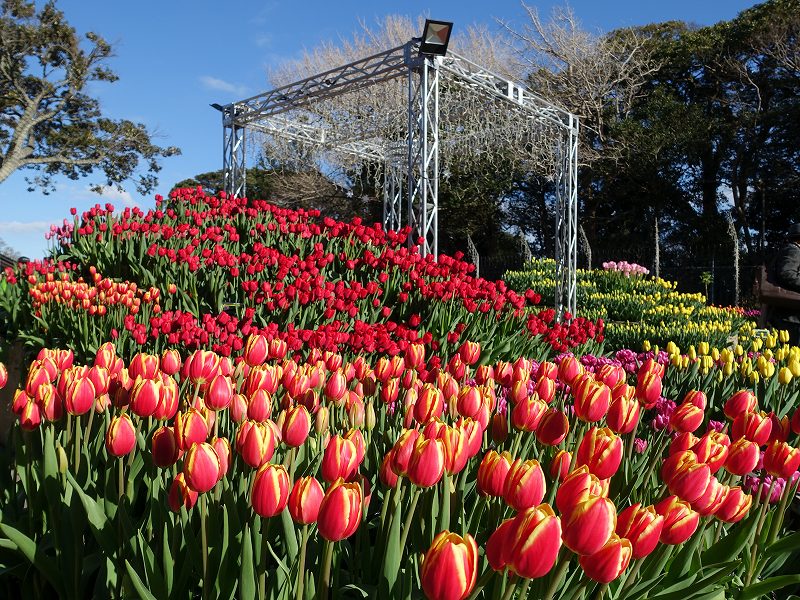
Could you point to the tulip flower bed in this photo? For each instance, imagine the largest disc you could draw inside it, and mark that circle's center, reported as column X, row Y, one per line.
column 205, row 272
column 636, row 308
column 277, row 476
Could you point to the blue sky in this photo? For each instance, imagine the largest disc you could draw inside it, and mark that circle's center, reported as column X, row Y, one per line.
column 175, row 57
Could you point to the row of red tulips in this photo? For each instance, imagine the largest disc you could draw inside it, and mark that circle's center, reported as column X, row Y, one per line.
column 448, row 460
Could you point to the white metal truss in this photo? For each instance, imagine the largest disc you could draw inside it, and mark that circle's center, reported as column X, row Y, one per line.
column 411, row 160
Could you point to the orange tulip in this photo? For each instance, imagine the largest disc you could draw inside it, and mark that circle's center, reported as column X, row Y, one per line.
column 340, row 511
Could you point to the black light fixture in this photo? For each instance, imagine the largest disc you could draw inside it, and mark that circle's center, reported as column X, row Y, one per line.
column 435, row 37
column 218, row 107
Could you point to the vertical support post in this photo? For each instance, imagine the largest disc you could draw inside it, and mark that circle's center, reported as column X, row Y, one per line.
column 233, row 153
column 393, row 189
column 423, row 150
column 567, row 221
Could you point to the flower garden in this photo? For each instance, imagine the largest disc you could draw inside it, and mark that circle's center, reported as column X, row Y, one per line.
column 226, row 399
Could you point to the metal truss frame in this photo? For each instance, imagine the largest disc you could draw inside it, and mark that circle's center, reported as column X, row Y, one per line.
column 411, row 166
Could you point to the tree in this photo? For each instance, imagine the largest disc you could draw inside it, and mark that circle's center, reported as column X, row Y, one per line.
column 48, row 121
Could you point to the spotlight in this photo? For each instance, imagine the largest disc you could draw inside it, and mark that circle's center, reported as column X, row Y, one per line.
column 435, row 37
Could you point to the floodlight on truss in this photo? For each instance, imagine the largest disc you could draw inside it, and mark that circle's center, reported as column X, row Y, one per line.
column 411, row 162
column 435, row 37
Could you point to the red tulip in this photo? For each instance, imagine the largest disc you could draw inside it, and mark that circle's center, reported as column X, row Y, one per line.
column 340, row 459
column 470, row 352
column 256, row 350
column 296, row 426
column 577, row 487
column 219, row 393
column 3, row 376
column 741, row 402
column 781, row 459
column 190, row 428
column 712, row 449
column 164, row 447
column 429, row 405
column 145, row 366
column 492, row 473
column 120, row 435
column 687, row 417
column 559, row 467
column 743, row 456
column 145, row 396
column 305, row 499
column 450, row 567
column 600, row 450
column 589, row 525
column 79, row 397
column 592, row 399
column 170, row 362
column 201, row 467
column 753, row 426
column 525, row 486
column 642, row 526
column 181, row 495
column 533, row 541
column 680, row 521
column 270, row 492
column 608, row 563
column 734, row 506
column 648, row 388
column 255, row 442
column 528, row 413
column 426, row 466
column 223, row 448
column 401, row 452
column 340, row 511
column 553, row 428
column 623, row 415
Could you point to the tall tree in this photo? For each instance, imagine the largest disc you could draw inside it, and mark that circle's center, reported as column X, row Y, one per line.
column 49, row 123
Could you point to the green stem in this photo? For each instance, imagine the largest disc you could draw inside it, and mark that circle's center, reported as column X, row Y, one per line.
column 409, row 517
column 325, row 574
column 301, row 565
column 78, row 444
column 630, row 578
column 563, row 565
column 204, row 541
column 512, row 585
column 487, row 575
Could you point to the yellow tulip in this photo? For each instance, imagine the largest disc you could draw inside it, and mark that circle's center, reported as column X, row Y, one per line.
column 702, row 348
column 754, row 378
column 784, row 376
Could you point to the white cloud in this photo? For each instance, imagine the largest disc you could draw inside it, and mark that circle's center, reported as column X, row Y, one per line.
column 24, row 226
column 220, row 85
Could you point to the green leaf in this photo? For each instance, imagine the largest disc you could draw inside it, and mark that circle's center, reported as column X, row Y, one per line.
column 98, row 520
column 768, row 585
column 247, row 577
column 138, row 585
column 43, row 563
column 786, row 544
column 729, row 547
column 701, row 586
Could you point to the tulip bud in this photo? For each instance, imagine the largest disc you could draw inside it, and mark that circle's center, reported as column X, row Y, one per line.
column 219, row 393
column 3, row 376
column 608, row 563
column 568, row 369
column 528, row 413
column 340, row 511
column 648, row 388
column 181, row 495
column 577, row 487
column 321, row 420
column 756, row 427
column 164, row 447
column 500, row 544
column 402, row 449
column 120, row 436
column 62, row 459
column 170, row 362
column 429, row 405
column 387, row 476
column 79, row 397
column 499, row 428
column 589, row 525
column 201, row 467
column 270, row 492
column 600, row 450
column 642, row 526
column 470, row 352
column 525, row 486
